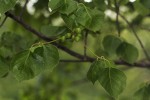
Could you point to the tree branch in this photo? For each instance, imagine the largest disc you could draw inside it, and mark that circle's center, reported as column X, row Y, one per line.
column 77, row 55
column 78, row 61
column 40, row 35
column 144, row 28
column 85, row 43
column 23, row 9
column 143, row 64
column 135, row 34
column 3, row 21
column 117, row 17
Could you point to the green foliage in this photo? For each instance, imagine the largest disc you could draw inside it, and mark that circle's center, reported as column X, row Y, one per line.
column 30, row 63
column 80, row 14
column 55, row 4
column 141, row 8
column 6, row 5
column 143, row 92
column 52, row 31
column 91, row 19
column 83, row 16
column 127, row 52
column 4, row 68
column 68, row 21
column 111, row 43
column 14, row 39
column 111, row 79
column 69, row 7
column 97, row 20
column 100, row 4
column 94, row 70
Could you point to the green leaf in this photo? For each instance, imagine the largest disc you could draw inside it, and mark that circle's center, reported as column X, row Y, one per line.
column 69, row 20
column 50, row 55
column 113, row 81
column 10, row 40
column 4, row 68
column 21, row 66
column 94, row 70
column 30, row 63
column 83, row 16
column 143, row 92
column 55, row 4
column 69, row 7
column 141, row 8
column 52, row 31
column 6, row 5
column 90, row 19
column 97, row 20
column 127, row 52
column 111, row 43
column 100, row 4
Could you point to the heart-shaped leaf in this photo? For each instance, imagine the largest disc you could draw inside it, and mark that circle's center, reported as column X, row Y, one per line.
column 94, row 70
column 30, row 63
column 111, row 43
column 83, row 16
column 127, row 52
column 113, row 81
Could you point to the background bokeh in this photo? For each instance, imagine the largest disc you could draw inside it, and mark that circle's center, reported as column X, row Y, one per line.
column 68, row 80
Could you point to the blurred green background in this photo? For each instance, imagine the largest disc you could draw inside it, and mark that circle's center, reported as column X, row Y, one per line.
column 68, row 80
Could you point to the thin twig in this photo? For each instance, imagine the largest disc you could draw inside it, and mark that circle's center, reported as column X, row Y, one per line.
column 79, row 61
column 23, row 9
column 117, row 17
column 109, row 3
column 142, row 64
column 3, row 21
column 137, row 37
column 85, row 43
column 144, row 28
